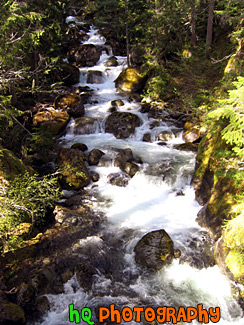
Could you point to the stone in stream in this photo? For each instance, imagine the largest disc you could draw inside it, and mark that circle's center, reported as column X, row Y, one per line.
column 154, row 250
column 86, row 55
column 95, row 156
column 147, row 137
column 165, row 136
column 111, row 62
column 94, row 77
column 130, row 80
column 80, row 146
column 117, row 102
column 121, row 124
column 84, row 125
column 71, row 103
column 119, row 179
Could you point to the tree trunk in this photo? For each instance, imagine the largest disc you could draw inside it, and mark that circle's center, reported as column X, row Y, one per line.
column 193, row 23
column 127, row 33
column 210, row 26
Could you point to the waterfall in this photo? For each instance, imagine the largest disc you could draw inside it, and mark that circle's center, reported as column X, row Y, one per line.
column 159, row 196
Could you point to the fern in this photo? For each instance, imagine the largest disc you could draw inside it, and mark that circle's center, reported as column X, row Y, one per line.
column 232, row 111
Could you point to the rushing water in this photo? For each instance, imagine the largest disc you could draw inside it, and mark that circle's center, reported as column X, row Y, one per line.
column 149, row 202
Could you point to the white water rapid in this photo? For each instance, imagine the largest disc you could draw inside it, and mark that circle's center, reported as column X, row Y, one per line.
column 149, row 202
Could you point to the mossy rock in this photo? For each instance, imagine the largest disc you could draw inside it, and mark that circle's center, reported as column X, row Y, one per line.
column 165, row 136
column 130, row 80
column 10, row 166
column 154, row 250
column 11, row 313
column 234, row 262
column 74, row 173
column 52, row 120
column 187, row 146
column 71, row 103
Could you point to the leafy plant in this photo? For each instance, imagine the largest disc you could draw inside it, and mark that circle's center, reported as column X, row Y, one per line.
column 27, row 199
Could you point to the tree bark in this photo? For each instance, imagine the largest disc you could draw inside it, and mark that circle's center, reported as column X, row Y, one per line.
column 127, row 33
column 193, row 23
column 209, row 37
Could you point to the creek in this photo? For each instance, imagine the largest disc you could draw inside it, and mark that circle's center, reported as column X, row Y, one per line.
column 159, row 196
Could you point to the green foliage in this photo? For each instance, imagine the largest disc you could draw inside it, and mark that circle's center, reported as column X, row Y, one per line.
column 27, row 199
column 232, row 111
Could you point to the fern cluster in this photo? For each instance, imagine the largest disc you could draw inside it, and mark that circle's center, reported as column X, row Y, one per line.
column 231, row 113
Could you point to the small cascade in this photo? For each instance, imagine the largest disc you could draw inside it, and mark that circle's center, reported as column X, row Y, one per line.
column 158, row 196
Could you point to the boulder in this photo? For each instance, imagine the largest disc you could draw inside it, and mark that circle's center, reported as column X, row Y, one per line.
column 84, row 275
column 85, row 125
column 119, row 179
column 11, row 313
column 129, row 168
column 117, row 103
column 191, row 135
column 187, row 146
column 130, row 80
column 94, row 77
column 121, row 124
column 86, row 55
column 25, row 296
column 154, row 250
column 71, row 103
column 80, row 146
column 95, row 156
column 165, row 136
column 73, row 170
column 147, row 137
column 67, row 73
column 52, row 120
column 125, row 155
column 111, row 62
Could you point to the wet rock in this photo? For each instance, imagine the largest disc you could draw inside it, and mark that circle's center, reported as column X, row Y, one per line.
column 129, row 168
column 177, row 253
column 52, row 120
column 191, row 135
column 42, row 305
column 95, row 77
column 84, row 275
column 80, row 146
column 67, row 73
column 44, row 280
column 125, row 155
column 95, row 156
column 86, row 55
column 119, row 179
column 145, row 107
column 85, row 125
column 11, row 314
column 112, row 109
column 71, row 103
column 94, row 176
column 162, row 143
column 165, row 136
column 154, row 250
column 187, row 146
column 111, row 62
column 74, row 173
column 130, row 80
column 25, row 296
column 147, row 137
column 117, row 102
column 121, row 124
